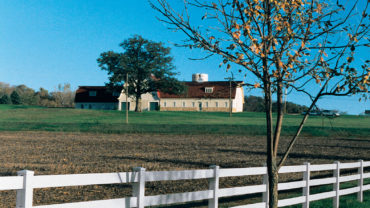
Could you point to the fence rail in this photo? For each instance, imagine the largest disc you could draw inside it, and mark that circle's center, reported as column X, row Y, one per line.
column 26, row 182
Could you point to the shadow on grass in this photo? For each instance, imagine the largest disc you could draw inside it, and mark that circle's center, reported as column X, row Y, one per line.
column 297, row 155
column 355, row 140
column 340, row 146
column 174, row 161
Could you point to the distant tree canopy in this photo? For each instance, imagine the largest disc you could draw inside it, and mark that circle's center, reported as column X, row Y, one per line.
column 26, row 95
column 63, row 96
column 5, row 99
column 16, row 100
column 256, row 104
column 148, row 65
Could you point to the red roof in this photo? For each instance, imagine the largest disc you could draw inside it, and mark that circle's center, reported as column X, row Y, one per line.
column 103, row 95
column 221, row 89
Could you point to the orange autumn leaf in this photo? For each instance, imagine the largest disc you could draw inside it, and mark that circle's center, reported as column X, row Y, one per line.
column 240, row 56
column 247, row 27
column 325, row 54
column 302, row 44
column 236, row 34
column 281, row 65
column 318, row 8
column 287, row 75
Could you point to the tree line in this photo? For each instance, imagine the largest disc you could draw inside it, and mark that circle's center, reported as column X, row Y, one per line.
column 256, row 104
column 62, row 96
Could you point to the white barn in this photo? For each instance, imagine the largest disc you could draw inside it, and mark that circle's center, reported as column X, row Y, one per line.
column 149, row 102
column 200, row 95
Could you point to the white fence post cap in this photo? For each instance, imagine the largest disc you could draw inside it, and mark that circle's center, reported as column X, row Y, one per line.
column 138, row 169
column 25, row 172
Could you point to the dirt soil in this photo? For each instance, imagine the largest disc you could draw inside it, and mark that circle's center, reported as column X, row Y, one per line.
column 69, row 153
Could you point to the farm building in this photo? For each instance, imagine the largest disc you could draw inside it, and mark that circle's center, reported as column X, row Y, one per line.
column 200, row 95
column 149, row 102
column 96, row 97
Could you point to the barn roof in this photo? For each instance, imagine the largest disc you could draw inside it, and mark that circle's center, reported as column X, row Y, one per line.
column 221, row 89
column 103, row 95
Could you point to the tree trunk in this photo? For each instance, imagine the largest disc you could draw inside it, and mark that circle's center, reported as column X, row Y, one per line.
column 272, row 169
column 138, row 104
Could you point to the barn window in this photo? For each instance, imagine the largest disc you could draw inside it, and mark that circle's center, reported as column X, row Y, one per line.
column 92, row 93
column 208, row 90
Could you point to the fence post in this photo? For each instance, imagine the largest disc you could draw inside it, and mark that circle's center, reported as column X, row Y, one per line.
column 360, row 196
column 213, row 184
column 139, row 187
column 336, row 186
column 25, row 195
column 306, row 189
column 265, row 195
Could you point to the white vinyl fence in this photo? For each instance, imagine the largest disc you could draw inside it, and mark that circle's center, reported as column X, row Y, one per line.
column 26, row 181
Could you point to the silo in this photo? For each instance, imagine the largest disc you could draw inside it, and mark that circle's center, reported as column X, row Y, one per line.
column 195, row 77
column 203, row 78
column 200, row 77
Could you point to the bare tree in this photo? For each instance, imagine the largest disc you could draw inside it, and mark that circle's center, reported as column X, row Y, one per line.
column 63, row 96
column 307, row 46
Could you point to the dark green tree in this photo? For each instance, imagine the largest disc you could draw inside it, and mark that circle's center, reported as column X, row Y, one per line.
column 148, row 65
column 5, row 99
column 15, row 98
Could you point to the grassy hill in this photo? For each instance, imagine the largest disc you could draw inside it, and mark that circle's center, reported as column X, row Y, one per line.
column 15, row 118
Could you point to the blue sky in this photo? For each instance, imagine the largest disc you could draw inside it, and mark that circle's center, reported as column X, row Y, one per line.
column 47, row 42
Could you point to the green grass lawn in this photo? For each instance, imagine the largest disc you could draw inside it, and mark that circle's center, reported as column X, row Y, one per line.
column 14, row 117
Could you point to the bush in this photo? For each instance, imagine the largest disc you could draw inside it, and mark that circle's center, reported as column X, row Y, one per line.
column 5, row 99
column 16, row 100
